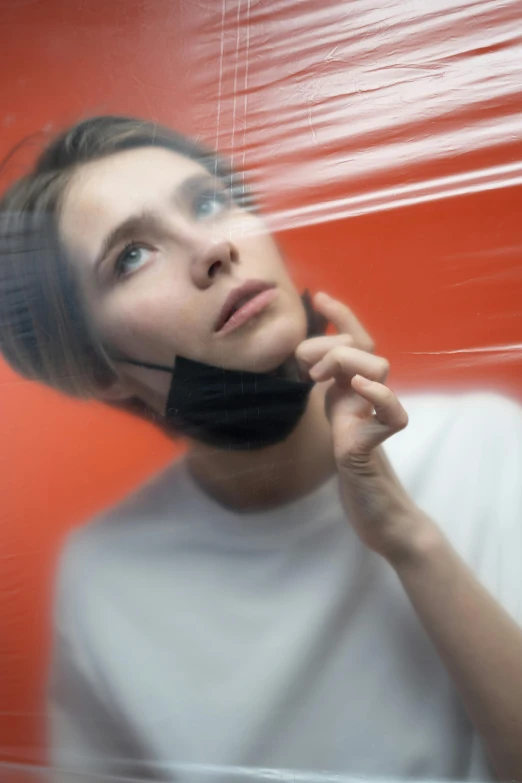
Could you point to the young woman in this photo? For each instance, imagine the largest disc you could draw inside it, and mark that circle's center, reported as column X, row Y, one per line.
column 291, row 595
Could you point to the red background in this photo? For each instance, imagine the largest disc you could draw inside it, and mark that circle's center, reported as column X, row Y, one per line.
column 439, row 276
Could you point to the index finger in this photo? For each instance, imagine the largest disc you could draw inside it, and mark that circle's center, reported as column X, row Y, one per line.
column 344, row 320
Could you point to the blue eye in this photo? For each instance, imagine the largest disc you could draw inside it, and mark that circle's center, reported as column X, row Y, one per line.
column 210, row 203
column 131, row 259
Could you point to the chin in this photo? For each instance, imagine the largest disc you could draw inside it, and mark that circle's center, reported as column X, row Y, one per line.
column 272, row 342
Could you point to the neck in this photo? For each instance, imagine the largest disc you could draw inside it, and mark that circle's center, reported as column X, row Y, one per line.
column 258, row 480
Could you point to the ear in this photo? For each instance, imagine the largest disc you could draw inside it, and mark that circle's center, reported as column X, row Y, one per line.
column 115, row 392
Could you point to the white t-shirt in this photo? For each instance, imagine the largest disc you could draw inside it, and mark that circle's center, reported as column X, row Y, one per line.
column 194, row 643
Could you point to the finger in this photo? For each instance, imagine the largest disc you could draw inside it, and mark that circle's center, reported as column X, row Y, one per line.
column 342, row 363
column 370, row 432
column 344, row 320
column 311, row 351
column 390, row 416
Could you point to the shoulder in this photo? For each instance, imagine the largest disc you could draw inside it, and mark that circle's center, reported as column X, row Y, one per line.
column 462, row 407
column 480, row 423
column 104, row 549
column 460, row 458
column 477, row 495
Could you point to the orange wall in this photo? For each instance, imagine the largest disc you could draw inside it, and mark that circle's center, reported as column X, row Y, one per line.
column 440, row 276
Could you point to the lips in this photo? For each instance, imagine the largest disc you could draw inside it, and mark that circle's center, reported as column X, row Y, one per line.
column 239, row 299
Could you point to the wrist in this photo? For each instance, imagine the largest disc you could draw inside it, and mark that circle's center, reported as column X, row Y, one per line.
column 416, row 538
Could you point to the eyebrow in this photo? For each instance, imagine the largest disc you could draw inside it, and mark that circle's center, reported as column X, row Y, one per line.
column 148, row 222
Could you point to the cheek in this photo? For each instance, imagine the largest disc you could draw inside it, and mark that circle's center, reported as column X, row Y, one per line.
column 153, row 326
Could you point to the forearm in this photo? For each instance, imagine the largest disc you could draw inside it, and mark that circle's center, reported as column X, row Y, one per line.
column 479, row 644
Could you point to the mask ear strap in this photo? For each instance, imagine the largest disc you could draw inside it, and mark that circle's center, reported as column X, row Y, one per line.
column 147, row 365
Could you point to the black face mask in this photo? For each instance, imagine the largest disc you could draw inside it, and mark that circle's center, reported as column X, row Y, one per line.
column 233, row 409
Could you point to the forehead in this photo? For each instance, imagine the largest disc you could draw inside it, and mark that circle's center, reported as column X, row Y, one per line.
column 105, row 192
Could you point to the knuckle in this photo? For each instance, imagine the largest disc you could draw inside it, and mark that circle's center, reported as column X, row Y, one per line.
column 302, row 352
column 402, row 420
column 385, row 365
column 338, row 353
column 388, row 397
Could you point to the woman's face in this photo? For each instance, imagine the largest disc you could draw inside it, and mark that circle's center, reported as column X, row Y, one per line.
column 159, row 246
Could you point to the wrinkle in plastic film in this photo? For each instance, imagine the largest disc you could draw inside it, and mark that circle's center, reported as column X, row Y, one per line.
column 341, row 110
column 324, row 99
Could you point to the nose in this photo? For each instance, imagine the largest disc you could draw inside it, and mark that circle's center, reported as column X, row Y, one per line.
column 211, row 258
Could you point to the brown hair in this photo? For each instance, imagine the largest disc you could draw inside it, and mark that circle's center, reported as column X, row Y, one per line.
column 44, row 332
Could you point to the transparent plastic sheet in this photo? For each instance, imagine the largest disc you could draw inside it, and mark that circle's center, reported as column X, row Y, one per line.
column 373, row 107
column 196, row 774
column 364, row 92
column 392, row 128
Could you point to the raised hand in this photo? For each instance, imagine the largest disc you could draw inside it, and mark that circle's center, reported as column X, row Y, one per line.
column 363, row 413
